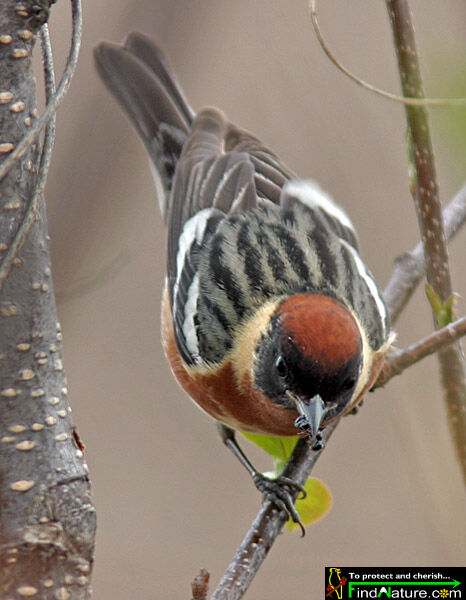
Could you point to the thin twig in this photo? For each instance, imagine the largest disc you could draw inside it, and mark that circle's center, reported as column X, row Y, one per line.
column 410, row 267
column 427, row 198
column 369, row 86
column 398, row 361
column 50, row 89
column 429, row 215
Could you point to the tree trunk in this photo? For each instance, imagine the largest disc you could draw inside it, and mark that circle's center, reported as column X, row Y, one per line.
column 47, row 518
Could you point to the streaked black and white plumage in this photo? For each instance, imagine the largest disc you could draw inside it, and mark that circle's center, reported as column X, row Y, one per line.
column 241, row 228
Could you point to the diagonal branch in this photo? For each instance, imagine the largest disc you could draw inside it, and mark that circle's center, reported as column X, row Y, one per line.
column 266, row 527
column 410, row 267
column 427, row 198
column 400, row 360
column 428, row 209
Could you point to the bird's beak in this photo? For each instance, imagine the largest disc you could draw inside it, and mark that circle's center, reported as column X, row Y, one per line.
column 312, row 411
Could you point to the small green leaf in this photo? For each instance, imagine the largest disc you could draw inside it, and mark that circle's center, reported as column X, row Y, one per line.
column 278, row 447
column 315, row 505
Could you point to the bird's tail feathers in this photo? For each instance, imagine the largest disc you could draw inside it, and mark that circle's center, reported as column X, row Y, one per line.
column 138, row 77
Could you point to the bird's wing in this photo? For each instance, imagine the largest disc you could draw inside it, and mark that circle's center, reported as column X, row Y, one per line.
column 313, row 198
column 222, row 171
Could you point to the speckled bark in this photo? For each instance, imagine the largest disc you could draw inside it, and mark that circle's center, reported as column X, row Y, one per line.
column 428, row 210
column 47, row 517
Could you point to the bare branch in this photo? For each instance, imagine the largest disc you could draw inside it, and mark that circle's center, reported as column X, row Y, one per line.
column 427, row 198
column 400, row 360
column 428, row 209
column 410, row 267
column 266, row 526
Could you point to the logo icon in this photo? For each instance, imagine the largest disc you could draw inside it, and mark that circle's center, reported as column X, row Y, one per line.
column 335, row 585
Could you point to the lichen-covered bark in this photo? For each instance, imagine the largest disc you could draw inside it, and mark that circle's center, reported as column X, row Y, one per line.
column 47, row 517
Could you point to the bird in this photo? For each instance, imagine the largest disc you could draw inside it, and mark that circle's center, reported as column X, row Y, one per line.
column 271, row 321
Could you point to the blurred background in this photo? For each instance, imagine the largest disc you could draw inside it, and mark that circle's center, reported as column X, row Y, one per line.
column 169, row 496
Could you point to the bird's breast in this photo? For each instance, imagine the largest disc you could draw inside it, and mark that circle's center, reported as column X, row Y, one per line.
column 239, row 405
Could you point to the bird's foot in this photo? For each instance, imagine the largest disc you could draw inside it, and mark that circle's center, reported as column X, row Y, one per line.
column 279, row 491
column 355, row 409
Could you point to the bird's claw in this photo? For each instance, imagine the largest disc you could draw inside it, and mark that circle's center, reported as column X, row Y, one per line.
column 301, row 423
column 316, row 441
column 279, row 491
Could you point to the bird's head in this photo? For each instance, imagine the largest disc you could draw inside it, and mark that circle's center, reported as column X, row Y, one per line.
column 309, row 358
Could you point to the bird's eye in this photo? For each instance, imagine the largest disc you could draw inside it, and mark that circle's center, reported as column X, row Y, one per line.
column 281, row 367
column 348, row 384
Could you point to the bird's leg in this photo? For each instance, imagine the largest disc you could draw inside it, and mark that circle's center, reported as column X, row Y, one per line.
column 277, row 490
